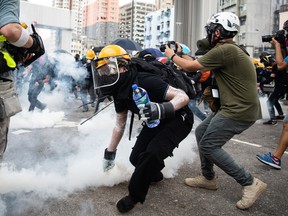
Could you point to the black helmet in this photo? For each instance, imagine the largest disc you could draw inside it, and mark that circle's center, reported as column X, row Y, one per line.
column 267, row 59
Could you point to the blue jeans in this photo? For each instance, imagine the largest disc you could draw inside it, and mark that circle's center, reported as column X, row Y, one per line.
column 33, row 94
column 213, row 133
column 194, row 108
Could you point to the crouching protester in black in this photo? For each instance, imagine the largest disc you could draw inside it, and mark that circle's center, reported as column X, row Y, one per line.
column 153, row 145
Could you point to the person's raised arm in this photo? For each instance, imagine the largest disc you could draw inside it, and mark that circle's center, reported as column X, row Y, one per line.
column 281, row 64
column 187, row 64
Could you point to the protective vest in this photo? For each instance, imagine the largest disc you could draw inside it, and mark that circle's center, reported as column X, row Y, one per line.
column 6, row 61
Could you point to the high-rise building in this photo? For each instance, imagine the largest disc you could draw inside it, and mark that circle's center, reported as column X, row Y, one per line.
column 132, row 20
column 159, row 27
column 77, row 7
column 100, row 23
column 164, row 4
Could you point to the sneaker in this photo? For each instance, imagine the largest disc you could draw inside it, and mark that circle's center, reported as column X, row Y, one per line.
column 85, row 109
column 251, row 194
column 280, row 117
column 158, row 178
column 125, row 204
column 202, row 182
column 270, row 122
column 270, row 160
column 44, row 106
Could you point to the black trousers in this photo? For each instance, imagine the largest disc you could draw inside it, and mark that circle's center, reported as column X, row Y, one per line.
column 273, row 101
column 153, row 145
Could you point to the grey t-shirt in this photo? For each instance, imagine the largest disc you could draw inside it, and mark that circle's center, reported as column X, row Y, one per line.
column 9, row 12
column 236, row 79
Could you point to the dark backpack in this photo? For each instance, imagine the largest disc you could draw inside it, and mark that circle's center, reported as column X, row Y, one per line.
column 175, row 78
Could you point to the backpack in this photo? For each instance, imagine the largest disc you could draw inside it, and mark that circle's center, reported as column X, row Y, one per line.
column 177, row 79
column 204, row 76
column 169, row 73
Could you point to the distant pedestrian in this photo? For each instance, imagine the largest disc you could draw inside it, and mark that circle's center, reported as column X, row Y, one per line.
column 40, row 74
column 280, row 84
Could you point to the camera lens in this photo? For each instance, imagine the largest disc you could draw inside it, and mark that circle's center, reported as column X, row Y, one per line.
column 266, row 38
column 162, row 47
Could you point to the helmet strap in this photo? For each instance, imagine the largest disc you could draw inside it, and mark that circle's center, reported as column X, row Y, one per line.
column 216, row 38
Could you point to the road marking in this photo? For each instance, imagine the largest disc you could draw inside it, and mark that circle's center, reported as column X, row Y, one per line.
column 65, row 124
column 251, row 144
column 247, row 143
column 21, row 131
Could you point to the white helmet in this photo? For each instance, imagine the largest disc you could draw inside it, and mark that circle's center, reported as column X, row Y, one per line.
column 229, row 21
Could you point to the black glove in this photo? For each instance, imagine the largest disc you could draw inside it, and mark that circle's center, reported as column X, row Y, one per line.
column 108, row 161
column 37, row 47
column 155, row 111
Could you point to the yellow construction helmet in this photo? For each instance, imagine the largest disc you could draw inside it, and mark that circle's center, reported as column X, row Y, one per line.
column 255, row 61
column 90, row 54
column 112, row 51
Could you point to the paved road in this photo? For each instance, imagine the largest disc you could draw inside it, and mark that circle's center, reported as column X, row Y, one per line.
column 20, row 193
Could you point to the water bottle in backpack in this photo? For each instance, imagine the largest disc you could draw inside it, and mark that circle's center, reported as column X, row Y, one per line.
column 140, row 96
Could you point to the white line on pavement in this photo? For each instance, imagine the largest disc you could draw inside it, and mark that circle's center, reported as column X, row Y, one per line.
column 247, row 143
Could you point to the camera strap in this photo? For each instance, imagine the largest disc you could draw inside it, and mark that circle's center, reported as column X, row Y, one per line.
column 242, row 48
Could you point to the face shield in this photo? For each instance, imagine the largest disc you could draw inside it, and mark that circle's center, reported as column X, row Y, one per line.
column 105, row 72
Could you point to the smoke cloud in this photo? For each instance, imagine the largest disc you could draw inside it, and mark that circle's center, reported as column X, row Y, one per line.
column 38, row 166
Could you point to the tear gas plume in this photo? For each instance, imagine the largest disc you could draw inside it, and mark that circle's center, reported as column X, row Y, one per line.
column 37, row 167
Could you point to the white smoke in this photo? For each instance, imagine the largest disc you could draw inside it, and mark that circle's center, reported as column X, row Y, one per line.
column 69, row 161
column 33, row 171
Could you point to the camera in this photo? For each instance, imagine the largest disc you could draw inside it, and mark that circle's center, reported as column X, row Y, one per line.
column 170, row 44
column 279, row 36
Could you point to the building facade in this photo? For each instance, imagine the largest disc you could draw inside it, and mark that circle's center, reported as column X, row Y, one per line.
column 164, row 4
column 256, row 20
column 132, row 20
column 100, row 23
column 77, row 6
column 159, row 27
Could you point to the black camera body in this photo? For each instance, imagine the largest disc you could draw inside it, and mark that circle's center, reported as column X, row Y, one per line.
column 170, row 44
column 279, row 36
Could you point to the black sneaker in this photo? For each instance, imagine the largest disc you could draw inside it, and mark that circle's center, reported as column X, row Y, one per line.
column 279, row 117
column 270, row 122
column 158, row 178
column 125, row 204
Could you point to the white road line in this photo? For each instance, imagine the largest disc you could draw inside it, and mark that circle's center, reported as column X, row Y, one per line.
column 247, row 143
column 251, row 144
